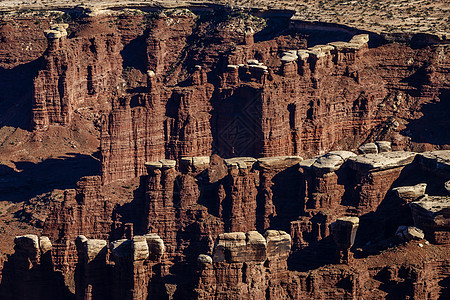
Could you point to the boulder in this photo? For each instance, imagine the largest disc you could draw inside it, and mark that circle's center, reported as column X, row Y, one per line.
column 204, row 260
column 431, row 211
column 155, row 244
column 307, row 163
column 447, row 186
column 381, row 161
column 200, row 161
column 409, row 233
column 256, row 246
column 252, row 62
column 230, row 247
column 45, row 244
column 368, row 148
column 194, row 163
column 360, row 39
column 28, row 243
column 95, row 249
column 168, row 163
column 120, row 249
column 278, row 162
column 303, row 54
column 410, row 193
column 383, row 146
column 331, row 161
column 259, row 67
column 288, row 58
column 238, row 247
column 322, row 48
column 240, row 162
column 438, row 161
column 345, row 46
column 161, row 164
column 53, row 34
column 153, row 165
column 278, row 244
column 316, row 54
column 344, row 231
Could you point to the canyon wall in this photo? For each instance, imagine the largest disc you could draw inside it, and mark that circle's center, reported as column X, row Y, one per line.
column 78, row 71
column 191, row 204
column 167, row 83
column 208, row 117
column 298, row 106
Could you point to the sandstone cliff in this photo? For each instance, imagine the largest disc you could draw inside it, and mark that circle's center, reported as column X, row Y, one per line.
column 239, row 160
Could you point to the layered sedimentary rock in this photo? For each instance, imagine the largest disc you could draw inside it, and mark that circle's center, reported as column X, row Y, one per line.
column 432, row 214
column 189, row 204
column 80, row 71
column 29, row 274
column 287, row 98
column 294, row 87
column 175, row 89
column 344, row 233
column 375, row 174
column 126, row 273
column 243, row 265
column 84, row 210
column 124, row 269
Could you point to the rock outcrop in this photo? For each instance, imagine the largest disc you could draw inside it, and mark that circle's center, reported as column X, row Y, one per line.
column 408, row 233
column 411, row 193
column 302, row 87
column 29, row 273
column 243, row 264
column 432, row 214
column 127, row 275
column 174, row 88
column 344, row 234
column 77, row 72
column 123, row 270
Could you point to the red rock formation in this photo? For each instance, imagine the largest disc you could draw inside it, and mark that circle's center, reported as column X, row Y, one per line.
column 81, row 71
column 181, row 207
column 134, row 135
column 243, row 97
column 296, row 106
column 29, row 273
column 167, row 40
column 239, row 206
column 243, row 265
column 84, row 210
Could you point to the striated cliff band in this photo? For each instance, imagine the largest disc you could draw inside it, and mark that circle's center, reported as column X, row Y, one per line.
column 206, row 151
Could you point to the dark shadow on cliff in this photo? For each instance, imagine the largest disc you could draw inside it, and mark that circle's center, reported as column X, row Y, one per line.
column 131, row 213
column 396, row 289
column 377, row 229
column 286, row 192
column 38, row 282
column 134, row 54
column 314, row 256
column 445, row 288
column 16, row 85
column 414, row 174
column 275, row 27
column 433, row 126
column 32, row 179
column 315, row 33
column 236, row 123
